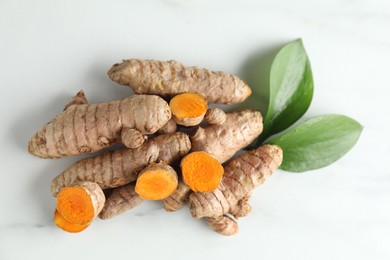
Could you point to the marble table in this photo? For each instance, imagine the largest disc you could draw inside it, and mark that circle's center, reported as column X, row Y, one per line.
column 51, row 49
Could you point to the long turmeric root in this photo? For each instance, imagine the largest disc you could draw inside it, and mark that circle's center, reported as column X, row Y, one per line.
column 169, row 78
column 86, row 128
column 241, row 176
column 120, row 200
column 81, row 203
column 116, row 168
column 224, row 140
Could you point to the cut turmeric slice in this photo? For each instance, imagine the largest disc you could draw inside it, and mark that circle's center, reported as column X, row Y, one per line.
column 65, row 225
column 188, row 109
column 156, row 182
column 81, row 203
column 201, row 172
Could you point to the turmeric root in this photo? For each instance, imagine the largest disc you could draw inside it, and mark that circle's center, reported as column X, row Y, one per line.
column 223, row 225
column 178, row 198
column 169, row 78
column 81, row 203
column 241, row 176
column 201, row 171
column 65, row 225
column 215, row 116
column 188, row 109
column 120, row 200
column 168, row 128
column 223, row 141
column 116, row 168
column 86, row 128
column 156, row 182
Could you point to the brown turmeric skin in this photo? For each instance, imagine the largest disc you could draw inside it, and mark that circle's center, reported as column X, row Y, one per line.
column 241, row 176
column 116, row 168
column 86, row 128
column 224, row 140
column 120, row 200
column 178, row 198
column 169, row 78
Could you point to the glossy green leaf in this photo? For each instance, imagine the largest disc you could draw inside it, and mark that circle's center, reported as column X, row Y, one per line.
column 317, row 142
column 291, row 88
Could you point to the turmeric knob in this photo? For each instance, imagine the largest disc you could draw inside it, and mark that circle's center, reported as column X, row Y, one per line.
column 188, row 109
column 157, row 181
column 67, row 226
column 201, row 172
column 215, row 116
column 81, row 203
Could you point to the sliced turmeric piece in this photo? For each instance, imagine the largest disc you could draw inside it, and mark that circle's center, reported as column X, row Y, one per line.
column 201, row 172
column 156, row 182
column 81, row 203
column 188, row 109
column 65, row 225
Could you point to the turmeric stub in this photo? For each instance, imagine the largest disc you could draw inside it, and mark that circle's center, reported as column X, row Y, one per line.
column 156, row 182
column 188, row 109
column 201, row 172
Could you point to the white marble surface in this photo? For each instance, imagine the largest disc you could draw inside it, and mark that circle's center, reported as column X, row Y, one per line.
column 51, row 49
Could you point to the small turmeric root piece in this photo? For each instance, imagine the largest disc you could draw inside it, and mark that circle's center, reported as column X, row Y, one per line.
column 223, row 141
column 223, row 225
column 65, row 225
column 132, row 138
column 116, row 168
column 81, row 203
column 188, row 109
column 86, row 128
column 169, row 78
column 178, row 198
column 120, row 200
column 201, row 172
column 241, row 176
column 215, row 116
column 156, row 182
column 78, row 99
column 168, row 128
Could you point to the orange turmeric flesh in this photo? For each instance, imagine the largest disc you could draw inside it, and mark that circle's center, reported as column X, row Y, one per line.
column 156, row 184
column 75, row 205
column 188, row 109
column 201, row 172
column 65, row 225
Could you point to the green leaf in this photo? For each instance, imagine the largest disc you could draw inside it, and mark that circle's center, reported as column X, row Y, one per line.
column 317, row 142
column 291, row 88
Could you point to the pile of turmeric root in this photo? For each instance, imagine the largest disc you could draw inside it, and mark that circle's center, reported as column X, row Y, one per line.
column 174, row 147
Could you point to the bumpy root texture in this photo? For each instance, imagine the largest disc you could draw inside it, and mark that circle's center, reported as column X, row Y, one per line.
column 224, row 140
column 86, row 128
column 132, row 138
column 157, row 181
column 223, row 225
column 215, row 116
column 201, row 171
column 116, row 168
column 169, row 78
column 188, row 109
column 178, row 198
column 67, row 226
column 81, row 203
column 168, row 128
column 78, row 99
column 120, row 200
column 241, row 176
